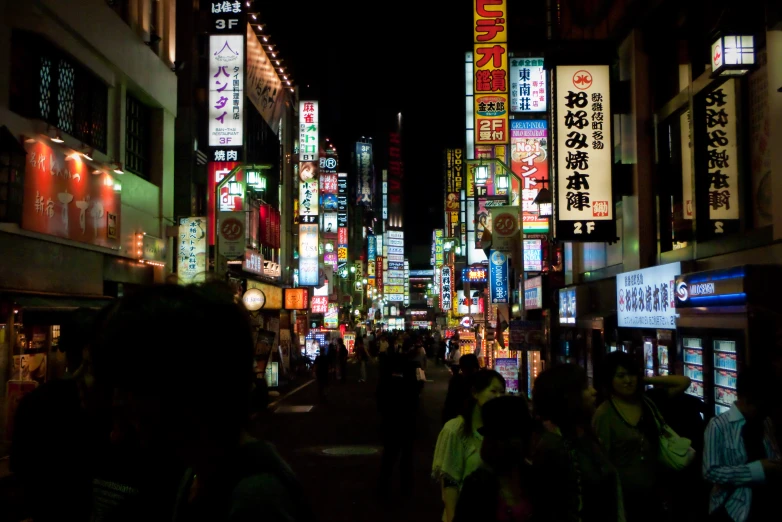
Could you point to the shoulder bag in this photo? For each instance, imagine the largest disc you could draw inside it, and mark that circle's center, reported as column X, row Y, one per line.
column 675, row 451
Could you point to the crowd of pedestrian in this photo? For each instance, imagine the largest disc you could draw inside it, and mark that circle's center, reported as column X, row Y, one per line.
column 161, row 422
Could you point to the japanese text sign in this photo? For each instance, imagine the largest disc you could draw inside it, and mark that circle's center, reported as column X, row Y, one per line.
column 191, row 253
column 529, row 161
column 454, row 181
column 264, row 88
column 226, row 16
column 498, row 277
column 226, row 90
column 446, row 288
column 63, row 198
column 308, row 131
column 645, row 298
column 308, row 255
column 296, row 298
column 584, row 198
column 216, row 172
column 490, row 21
column 722, row 158
column 527, row 85
column 474, row 274
column 320, row 304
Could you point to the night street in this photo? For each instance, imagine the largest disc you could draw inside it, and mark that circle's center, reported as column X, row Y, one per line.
column 342, row 488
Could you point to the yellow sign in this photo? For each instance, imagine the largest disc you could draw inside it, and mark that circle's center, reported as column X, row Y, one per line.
column 491, row 118
column 272, row 294
column 490, row 21
column 389, row 289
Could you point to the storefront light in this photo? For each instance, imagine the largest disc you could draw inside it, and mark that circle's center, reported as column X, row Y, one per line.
column 732, row 54
column 481, row 174
column 502, row 182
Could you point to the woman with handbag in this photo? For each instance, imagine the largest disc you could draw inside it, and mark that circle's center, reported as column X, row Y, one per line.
column 635, row 436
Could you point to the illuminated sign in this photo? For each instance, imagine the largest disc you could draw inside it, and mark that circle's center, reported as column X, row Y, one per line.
column 226, row 90
column 645, row 298
column 490, row 72
column 253, row 299
column 584, row 197
column 474, row 274
column 527, row 85
column 498, row 277
column 533, row 255
column 308, row 131
column 446, row 288
column 191, row 254
column 529, row 153
column 320, row 304
column 296, row 299
column 533, row 293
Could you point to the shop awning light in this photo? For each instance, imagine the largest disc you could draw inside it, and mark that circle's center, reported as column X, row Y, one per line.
column 732, row 54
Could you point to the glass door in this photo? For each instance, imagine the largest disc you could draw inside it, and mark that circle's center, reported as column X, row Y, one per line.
column 725, row 373
column 692, row 350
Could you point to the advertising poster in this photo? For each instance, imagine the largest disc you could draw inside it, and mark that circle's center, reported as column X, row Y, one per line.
column 527, row 85
column 529, row 161
column 567, row 306
column 509, row 369
column 63, row 198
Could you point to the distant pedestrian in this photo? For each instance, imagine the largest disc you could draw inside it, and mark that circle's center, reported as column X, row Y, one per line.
column 342, row 355
column 362, row 357
column 459, row 387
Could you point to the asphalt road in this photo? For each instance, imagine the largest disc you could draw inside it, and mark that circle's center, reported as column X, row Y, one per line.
column 335, row 450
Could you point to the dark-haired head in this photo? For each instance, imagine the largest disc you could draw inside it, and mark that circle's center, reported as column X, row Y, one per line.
column 76, row 335
column 468, row 364
column 484, row 385
column 186, row 365
column 562, row 396
column 752, row 389
column 507, row 431
column 620, row 375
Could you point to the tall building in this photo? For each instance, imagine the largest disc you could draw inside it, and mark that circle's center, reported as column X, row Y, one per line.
column 88, row 100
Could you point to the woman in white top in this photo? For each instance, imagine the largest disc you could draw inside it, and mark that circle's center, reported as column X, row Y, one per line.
column 458, row 450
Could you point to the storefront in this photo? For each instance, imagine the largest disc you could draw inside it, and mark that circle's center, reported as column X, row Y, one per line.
column 726, row 320
column 264, row 302
column 646, row 317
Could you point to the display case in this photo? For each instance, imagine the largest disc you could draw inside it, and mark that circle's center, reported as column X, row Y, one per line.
column 725, row 374
column 692, row 350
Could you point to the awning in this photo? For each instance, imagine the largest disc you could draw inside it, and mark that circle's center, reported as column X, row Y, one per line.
column 58, row 303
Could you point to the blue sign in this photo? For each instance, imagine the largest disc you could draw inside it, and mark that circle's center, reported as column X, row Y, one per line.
column 498, row 277
column 371, row 248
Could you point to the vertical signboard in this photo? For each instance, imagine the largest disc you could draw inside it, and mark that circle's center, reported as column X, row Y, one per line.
column 191, row 254
column 406, row 299
column 329, row 202
column 722, row 159
column 505, row 227
column 498, row 277
column 227, row 65
column 584, row 198
column 527, row 85
column 446, row 288
column 342, row 223
column 490, row 80
column 529, row 161
column 364, row 174
column 309, row 193
column 264, row 87
column 396, row 175
column 454, row 180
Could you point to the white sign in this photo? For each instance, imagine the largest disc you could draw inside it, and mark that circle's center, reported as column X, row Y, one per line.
column 308, row 198
column 721, row 154
column 308, row 255
column 253, row 299
column 585, row 153
column 645, row 298
column 533, row 293
column 527, row 85
column 463, row 307
column 264, row 88
column 446, row 297
column 191, row 254
column 226, row 90
column 308, row 130
column 396, row 234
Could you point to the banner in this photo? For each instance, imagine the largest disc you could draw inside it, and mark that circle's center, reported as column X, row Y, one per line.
column 498, row 277
column 264, row 87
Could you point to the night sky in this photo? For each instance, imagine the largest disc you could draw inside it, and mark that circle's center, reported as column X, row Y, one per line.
column 367, row 62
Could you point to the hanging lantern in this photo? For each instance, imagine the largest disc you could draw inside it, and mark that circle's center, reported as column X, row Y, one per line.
column 732, row 54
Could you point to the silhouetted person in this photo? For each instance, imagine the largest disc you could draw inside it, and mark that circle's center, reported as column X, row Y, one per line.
column 343, row 360
column 459, row 388
column 181, row 401
column 397, row 400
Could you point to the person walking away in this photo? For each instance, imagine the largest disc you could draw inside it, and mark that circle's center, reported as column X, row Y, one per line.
column 333, row 360
column 501, row 489
column 459, row 387
column 397, row 401
column 198, row 413
column 626, row 427
column 573, row 477
column 362, row 356
column 322, row 369
column 458, row 450
column 741, row 458
column 454, row 354
column 343, row 360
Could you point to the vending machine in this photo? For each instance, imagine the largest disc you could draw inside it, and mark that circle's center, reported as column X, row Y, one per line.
column 712, row 359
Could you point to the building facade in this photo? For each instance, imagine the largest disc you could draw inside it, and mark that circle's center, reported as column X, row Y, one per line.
column 87, row 108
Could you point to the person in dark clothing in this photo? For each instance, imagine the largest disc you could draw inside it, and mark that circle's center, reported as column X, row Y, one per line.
column 322, row 376
column 343, row 360
column 185, row 406
column 397, row 401
column 458, row 387
column 501, row 489
column 331, row 358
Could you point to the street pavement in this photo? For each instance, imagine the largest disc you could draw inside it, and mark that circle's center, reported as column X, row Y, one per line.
column 329, row 449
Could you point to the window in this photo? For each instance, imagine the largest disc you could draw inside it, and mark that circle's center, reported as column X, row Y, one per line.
column 49, row 85
column 137, row 137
